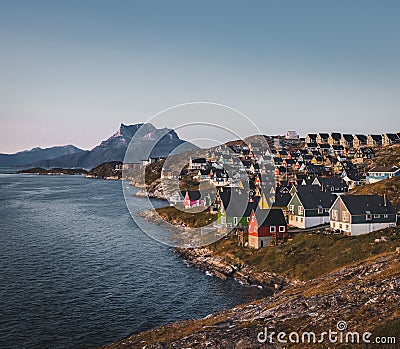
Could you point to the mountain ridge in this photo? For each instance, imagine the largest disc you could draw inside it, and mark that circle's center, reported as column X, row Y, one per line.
column 35, row 154
column 161, row 142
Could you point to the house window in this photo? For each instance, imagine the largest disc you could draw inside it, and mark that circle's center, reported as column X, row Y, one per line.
column 334, row 214
column 345, row 216
column 301, row 210
column 368, row 217
column 223, row 220
column 347, row 227
column 340, row 226
column 291, row 208
column 235, row 220
column 301, row 219
column 272, row 229
column 385, row 216
column 320, row 210
column 297, row 218
column 255, row 228
column 248, row 218
column 282, row 229
column 376, row 215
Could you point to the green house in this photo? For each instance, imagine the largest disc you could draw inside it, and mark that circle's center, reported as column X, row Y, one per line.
column 310, row 208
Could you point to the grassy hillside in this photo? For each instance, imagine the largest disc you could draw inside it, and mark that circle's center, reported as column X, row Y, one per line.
column 308, row 256
column 384, row 156
column 390, row 187
column 178, row 217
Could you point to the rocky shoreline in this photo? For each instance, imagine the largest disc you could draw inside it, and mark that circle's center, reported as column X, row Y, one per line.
column 203, row 259
column 364, row 296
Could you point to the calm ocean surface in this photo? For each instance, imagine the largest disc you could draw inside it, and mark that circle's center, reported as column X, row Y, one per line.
column 76, row 271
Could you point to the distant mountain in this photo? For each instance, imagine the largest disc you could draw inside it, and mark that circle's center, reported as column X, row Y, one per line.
column 161, row 142
column 37, row 154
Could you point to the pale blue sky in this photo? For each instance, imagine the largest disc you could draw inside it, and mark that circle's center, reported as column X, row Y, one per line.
column 72, row 71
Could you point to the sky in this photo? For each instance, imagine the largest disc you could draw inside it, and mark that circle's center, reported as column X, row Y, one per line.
column 72, row 71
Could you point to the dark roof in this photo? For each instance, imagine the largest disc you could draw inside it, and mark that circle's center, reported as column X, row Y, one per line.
column 282, row 199
column 392, row 136
column 332, row 182
column 237, row 210
column 193, row 194
column 315, row 169
column 353, row 175
column 323, row 135
column 236, row 204
column 348, row 137
column 312, row 135
column 324, row 146
column 199, row 160
column 361, row 204
column 275, row 217
column 336, row 135
column 308, row 188
column 376, row 138
column 384, row 169
column 313, row 200
column 361, row 138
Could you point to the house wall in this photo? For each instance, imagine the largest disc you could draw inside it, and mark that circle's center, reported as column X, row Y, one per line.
column 258, row 242
column 265, row 231
column 297, row 221
column 307, row 222
column 362, row 228
column 360, row 219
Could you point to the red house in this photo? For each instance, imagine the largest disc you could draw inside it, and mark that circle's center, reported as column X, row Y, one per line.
column 273, row 228
column 192, row 199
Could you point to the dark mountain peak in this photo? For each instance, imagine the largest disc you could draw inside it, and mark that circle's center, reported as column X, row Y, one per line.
column 148, row 141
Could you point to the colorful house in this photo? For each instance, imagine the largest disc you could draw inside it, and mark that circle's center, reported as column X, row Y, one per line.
column 273, row 227
column 235, row 209
column 361, row 214
column 192, row 199
column 310, row 208
column 379, row 173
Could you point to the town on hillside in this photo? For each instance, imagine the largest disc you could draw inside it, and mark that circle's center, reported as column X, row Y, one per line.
column 315, row 178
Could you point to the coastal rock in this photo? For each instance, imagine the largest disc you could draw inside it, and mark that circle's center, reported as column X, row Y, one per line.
column 317, row 306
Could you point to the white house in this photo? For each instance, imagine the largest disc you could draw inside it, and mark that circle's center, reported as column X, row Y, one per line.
column 361, row 214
